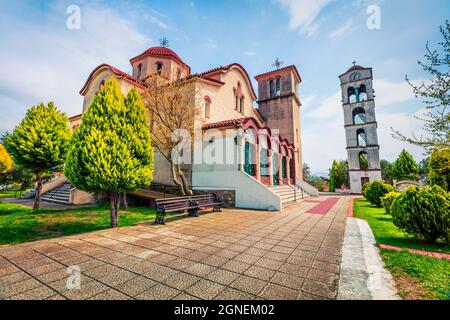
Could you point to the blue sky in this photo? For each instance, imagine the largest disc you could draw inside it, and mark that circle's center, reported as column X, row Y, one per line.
column 42, row 60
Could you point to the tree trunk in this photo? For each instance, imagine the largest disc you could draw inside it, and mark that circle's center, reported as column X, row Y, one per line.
column 125, row 202
column 175, row 179
column 37, row 197
column 114, row 206
column 186, row 189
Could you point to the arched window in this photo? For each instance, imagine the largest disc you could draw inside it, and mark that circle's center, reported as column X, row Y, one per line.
column 139, row 70
column 241, row 105
column 278, row 87
column 271, row 89
column 359, row 115
column 283, row 167
column 178, row 74
column 159, row 67
column 236, row 103
column 292, row 169
column 361, row 138
column 276, row 173
column 264, row 162
column 362, row 93
column 207, row 107
column 249, row 158
column 363, row 160
column 351, row 93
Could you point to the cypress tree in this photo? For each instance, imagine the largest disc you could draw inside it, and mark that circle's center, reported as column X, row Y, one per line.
column 39, row 143
column 405, row 167
column 111, row 150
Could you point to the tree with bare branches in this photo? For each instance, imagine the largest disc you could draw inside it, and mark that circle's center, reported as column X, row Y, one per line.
column 173, row 111
column 436, row 97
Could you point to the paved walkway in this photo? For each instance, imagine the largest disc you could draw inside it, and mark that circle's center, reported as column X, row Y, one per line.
column 234, row 254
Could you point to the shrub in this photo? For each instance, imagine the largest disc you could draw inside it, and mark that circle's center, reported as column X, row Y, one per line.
column 388, row 199
column 375, row 190
column 423, row 213
column 363, row 189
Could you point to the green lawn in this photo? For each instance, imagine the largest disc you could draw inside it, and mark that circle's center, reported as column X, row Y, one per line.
column 11, row 193
column 416, row 276
column 387, row 233
column 21, row 224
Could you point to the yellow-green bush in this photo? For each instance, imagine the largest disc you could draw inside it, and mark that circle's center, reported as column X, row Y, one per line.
column 423, row 212
column 388, row 199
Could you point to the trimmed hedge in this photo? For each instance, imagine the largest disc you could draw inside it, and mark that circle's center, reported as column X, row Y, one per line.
column 375, row 190
column 423, row 213
column 388, row 199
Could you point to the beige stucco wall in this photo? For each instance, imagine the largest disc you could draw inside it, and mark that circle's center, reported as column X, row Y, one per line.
column 223, row 99
column 102, row 74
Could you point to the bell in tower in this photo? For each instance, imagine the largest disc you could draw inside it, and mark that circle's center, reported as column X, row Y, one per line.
column 360, row 126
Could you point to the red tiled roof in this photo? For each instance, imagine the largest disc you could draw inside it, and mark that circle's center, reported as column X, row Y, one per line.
column 281, row 69
column 226, row 123
column 117, row 72
column 356, row 67
column 228, row 67
column 160, row 51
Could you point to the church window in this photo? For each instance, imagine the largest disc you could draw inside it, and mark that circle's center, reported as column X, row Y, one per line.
column 207, row 107
column 359, row 116
column 361, row 138
column 278, row 87
column 139, row 70
column 271, row 89
column 178, row 75
column 159, row 66
column 236, row 102
column 241, row 105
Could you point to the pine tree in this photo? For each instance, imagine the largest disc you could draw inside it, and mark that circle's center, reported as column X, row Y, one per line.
column 39, row 143
column 111, row 150
column 405, row 167
column 440, row 167
column 5, row 160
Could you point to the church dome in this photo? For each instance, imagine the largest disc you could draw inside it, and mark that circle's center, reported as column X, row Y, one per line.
column 355, row 67
column 160, row 51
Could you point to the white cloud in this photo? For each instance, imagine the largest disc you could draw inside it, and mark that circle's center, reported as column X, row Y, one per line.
column 389, row 92
column 60, row 60
column 211, row 44
column 323, row 134
column 157, row 17
column 339, row 32
column 303, row 14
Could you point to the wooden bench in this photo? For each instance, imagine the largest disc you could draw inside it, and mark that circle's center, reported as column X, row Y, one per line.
column 191, row 204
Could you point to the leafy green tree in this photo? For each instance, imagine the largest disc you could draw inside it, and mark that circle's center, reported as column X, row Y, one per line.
column 6, row 162
column 440, row 167
column 338, row 175
column 111, row 150
column 39, row 143
column 435, row 95
column 306, row 171
column 386, row 171
column 405, row 167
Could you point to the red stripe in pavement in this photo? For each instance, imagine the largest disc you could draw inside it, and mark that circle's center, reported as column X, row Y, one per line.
column 324, row 206
column 350, row 208
column 422, row 252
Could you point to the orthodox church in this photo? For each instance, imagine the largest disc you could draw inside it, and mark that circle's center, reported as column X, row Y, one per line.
column 266, row 170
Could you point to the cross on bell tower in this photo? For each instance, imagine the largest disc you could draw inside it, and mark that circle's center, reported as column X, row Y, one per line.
column 277, row 64
column 164, row 42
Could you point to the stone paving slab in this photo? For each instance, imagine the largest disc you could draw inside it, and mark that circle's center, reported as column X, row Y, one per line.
column 233, row 254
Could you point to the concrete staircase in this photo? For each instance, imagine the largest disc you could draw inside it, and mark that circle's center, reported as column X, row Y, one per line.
column 60, row 194
column 288, row 193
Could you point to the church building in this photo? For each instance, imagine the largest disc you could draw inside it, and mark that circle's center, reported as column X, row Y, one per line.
column 261, row 130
